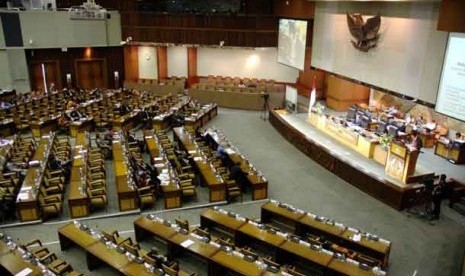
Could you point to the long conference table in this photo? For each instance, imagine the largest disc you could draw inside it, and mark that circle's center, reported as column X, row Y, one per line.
column 391, row 194
column 97, row 252
column 285, row 251
column 12, row 263
column 303, row 224
column 219, row 262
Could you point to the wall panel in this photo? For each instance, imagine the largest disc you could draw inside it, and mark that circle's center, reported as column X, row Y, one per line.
column 260, row 63
column 177, row 61
column 409, row 54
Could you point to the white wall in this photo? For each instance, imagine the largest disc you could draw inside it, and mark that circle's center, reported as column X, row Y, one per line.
column 260, row 63
column 147, row 57
column 2, row 37
column 55, row 30
column 177, row 61
column 408, row 58
column 19, row 73
column 5, row 79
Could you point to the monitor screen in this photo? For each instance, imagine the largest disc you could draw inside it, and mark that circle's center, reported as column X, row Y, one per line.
column 351, row 113
column 365, row 122
column 451, row 93
column 381, row 127
column 292, row 40
column 392, row 130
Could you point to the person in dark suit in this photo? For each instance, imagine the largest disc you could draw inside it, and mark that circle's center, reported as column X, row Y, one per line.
column 437, row 195
column 124, row 109
column 236, row 174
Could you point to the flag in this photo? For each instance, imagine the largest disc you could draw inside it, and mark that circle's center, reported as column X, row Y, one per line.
column 312, row 96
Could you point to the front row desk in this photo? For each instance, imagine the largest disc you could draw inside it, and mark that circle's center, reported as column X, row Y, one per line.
column 454, row 152
column 398, row 160
column 222, row 259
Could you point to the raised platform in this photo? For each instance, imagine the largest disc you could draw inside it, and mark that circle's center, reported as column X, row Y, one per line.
column 364, row 173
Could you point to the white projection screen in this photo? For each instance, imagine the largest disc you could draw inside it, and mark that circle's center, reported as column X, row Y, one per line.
column 451, row 93
column 291, row 42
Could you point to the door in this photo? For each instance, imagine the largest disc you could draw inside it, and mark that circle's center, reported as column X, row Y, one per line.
column 91, row 73
column 52, row 74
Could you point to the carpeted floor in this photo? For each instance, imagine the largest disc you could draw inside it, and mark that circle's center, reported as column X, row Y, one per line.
column 418, row 247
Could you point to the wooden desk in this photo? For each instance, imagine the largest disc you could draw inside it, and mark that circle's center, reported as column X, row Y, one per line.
column 218, row 261
column 98, row 253
column 43, row 127
column 144, row 227
column 291, row 252
column 127, row 195
column 81, row 126
column 338, row 267
column 210, row 219
column 27, row 199
column 304, row 224
column 13, row 263
column 126, row 122
column 456, row 155
column 427, row 138
column 171, row 193
column 78, row 200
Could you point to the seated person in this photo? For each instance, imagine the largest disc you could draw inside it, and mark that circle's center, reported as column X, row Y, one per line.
column 458, row 137
column 124, row 109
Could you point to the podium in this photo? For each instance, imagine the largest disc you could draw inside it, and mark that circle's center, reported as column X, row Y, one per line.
column 401, row 161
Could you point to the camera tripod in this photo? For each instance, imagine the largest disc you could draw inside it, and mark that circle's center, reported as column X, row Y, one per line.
column 265, row 108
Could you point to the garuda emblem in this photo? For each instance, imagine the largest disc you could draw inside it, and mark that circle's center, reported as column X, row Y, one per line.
column 365, row 33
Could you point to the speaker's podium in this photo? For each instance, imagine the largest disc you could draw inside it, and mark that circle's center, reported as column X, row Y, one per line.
column 401, row 161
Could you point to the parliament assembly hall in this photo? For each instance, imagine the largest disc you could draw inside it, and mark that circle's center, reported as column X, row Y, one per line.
column 232, row 137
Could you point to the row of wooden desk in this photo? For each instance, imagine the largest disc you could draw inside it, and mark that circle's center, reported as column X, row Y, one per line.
column 302, row 223
column 285, row 250
column 218, row 261
column 171, row 191
column 78, row 200
column 97, row 252
column 125, row 185
column 13, row 263
column 257, row 181
column 216, row 185
column 455, row 154
column 27, row 201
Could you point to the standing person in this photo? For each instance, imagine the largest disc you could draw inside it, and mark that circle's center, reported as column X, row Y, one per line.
column 416, row 141
column 437, row 197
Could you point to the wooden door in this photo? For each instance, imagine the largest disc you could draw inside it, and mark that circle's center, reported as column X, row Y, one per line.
column 52, row 73
column 91, row 73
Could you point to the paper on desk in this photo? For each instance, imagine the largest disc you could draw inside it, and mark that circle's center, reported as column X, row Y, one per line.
column 24, row 272
column 357, row 237
column 187, row 243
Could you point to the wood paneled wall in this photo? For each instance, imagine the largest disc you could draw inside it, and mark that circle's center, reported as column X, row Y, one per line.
column 113, row 57
column 341, row 93
column 235, row 30
column 191, row 62
column 162, row 62
column 300, row 9
column 452, row 16
column 121, row 5
column 131, row 63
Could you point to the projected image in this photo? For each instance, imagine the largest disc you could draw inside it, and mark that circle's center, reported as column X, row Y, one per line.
column 451, row 94
column 291, row 42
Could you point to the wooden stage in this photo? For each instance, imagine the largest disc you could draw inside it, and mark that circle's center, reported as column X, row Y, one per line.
column 361, row 172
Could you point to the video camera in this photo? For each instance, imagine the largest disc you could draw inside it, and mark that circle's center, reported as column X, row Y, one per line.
column 265, row 95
